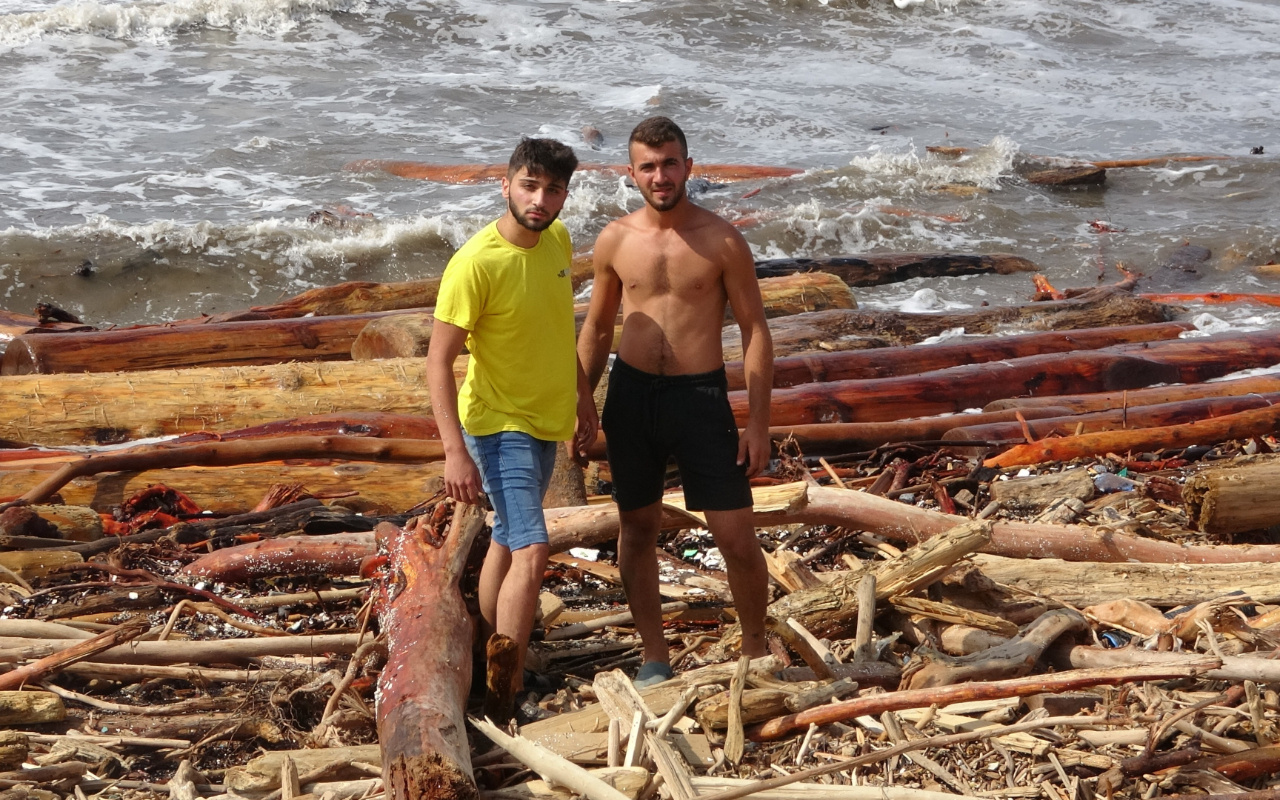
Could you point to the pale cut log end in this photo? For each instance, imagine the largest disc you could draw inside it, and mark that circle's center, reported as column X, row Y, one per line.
column 427, row 777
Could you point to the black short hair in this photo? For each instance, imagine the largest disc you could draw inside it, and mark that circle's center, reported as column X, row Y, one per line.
column 657, row 131
column 543, row 157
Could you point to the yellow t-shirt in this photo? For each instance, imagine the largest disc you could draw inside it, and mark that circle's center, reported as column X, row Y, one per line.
column 516, row 304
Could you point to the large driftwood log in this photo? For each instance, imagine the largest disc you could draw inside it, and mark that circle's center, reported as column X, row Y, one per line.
column 887, row 362
column 1232, row 668
column 846, row 437
column 422, row 693
column 235, row 453
column 957, row 388
column 830, row 330
column 14, row 324
column 167, row 347
column 1154, row 416
column 332, row 554
column 1240, row 425
column 1088, row 583
column 876, row 269
column 1104, row 401
column 225, row 651
column 369, row 488
column 1236, row 496
column 109, row 408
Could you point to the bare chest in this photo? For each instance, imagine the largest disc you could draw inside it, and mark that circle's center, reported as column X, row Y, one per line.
column 651, row 268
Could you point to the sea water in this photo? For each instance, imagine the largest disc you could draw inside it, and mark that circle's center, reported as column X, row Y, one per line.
column 161, row 159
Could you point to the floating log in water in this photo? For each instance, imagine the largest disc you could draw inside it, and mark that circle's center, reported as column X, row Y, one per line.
column 475, row 173
column 958, row 388
column 13, row 324
column 164, row 347
column 1241, row 425
column 422, row 691
column 1116, row 419
column 108, row 408
column 833, row 330
column 1103, row 401
column 874, row 269
column 1215, row 298
column 887, row 362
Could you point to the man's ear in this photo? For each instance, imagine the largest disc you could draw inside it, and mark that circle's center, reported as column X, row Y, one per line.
column 506, row 188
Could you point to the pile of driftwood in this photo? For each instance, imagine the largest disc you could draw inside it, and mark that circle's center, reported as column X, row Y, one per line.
column 1071, row 592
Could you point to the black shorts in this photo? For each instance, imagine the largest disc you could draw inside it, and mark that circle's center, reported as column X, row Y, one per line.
column 650, row 418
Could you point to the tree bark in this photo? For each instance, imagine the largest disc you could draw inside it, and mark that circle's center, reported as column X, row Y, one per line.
column 422, row 693
column 1085, row 403
column 845, row 437
column 1233, row 497
column 876, row 269
column 887, row 362
column 1240, row 425
column 332, row 554
column 365, row 487
column 1154, row 416
column 326, row 338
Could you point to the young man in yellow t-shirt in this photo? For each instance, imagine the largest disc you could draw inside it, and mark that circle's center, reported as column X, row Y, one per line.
column 506, row 295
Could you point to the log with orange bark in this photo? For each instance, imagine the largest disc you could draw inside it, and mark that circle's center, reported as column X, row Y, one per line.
column 1241, row 425
column 1103, row 401
column 220, row 454
column 1154, row 416
column 848, row 437
column 885, row 362
column 422, row 690
column 1214, row 298
column 326, row 338
column 476, row 173
column 1070, row 680
column 15, row 324
column 958, row 388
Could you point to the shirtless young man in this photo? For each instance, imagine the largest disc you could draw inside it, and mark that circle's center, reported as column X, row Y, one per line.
column 506, row 295
column 673, row 266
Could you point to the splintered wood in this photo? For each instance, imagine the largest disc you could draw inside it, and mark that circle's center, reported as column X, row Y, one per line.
column 1074, row 594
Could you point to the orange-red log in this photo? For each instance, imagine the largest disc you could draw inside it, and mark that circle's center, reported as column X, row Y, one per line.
column 475, row 173
column 1102, row 401
column 1242, row 425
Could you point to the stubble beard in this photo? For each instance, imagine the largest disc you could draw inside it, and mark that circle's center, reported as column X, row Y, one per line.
column 526, row 223
column 666, row 205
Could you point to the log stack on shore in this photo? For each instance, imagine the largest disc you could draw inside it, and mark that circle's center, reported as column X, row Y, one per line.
column 1035, row 562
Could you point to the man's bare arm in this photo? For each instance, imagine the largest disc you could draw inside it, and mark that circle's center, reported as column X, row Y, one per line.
column 461, row 478
column 743, row 291
column 595, row 340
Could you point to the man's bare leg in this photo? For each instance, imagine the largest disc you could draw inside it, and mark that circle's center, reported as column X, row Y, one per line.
column 517, row 599
column 638, row 563
column 735, row 535
column 497, row 562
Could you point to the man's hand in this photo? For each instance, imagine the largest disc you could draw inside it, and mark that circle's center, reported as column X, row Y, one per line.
column 754, row 449
column 584, row 429
column 462, row 478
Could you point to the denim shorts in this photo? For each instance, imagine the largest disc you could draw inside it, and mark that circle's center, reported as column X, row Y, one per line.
column 515, row 469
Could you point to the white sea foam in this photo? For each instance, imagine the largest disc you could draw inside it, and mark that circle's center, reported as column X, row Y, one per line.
column 157, row 20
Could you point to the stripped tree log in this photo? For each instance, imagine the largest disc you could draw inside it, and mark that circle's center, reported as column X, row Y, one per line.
column 221, row 454
column 1235, row 496
column 877, row 269
column 332, row 554
column 845, row 437
column 832, row 330
column 167, row 347
column 1155, row 416
column 116, row 407
column 1080, row 404
column 886, row 362
column 422, row 692
column 1240, row 425
column 369, row 488
column 14, row 324
column 957, row 388
column 226, row 651
column 1070, row 680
